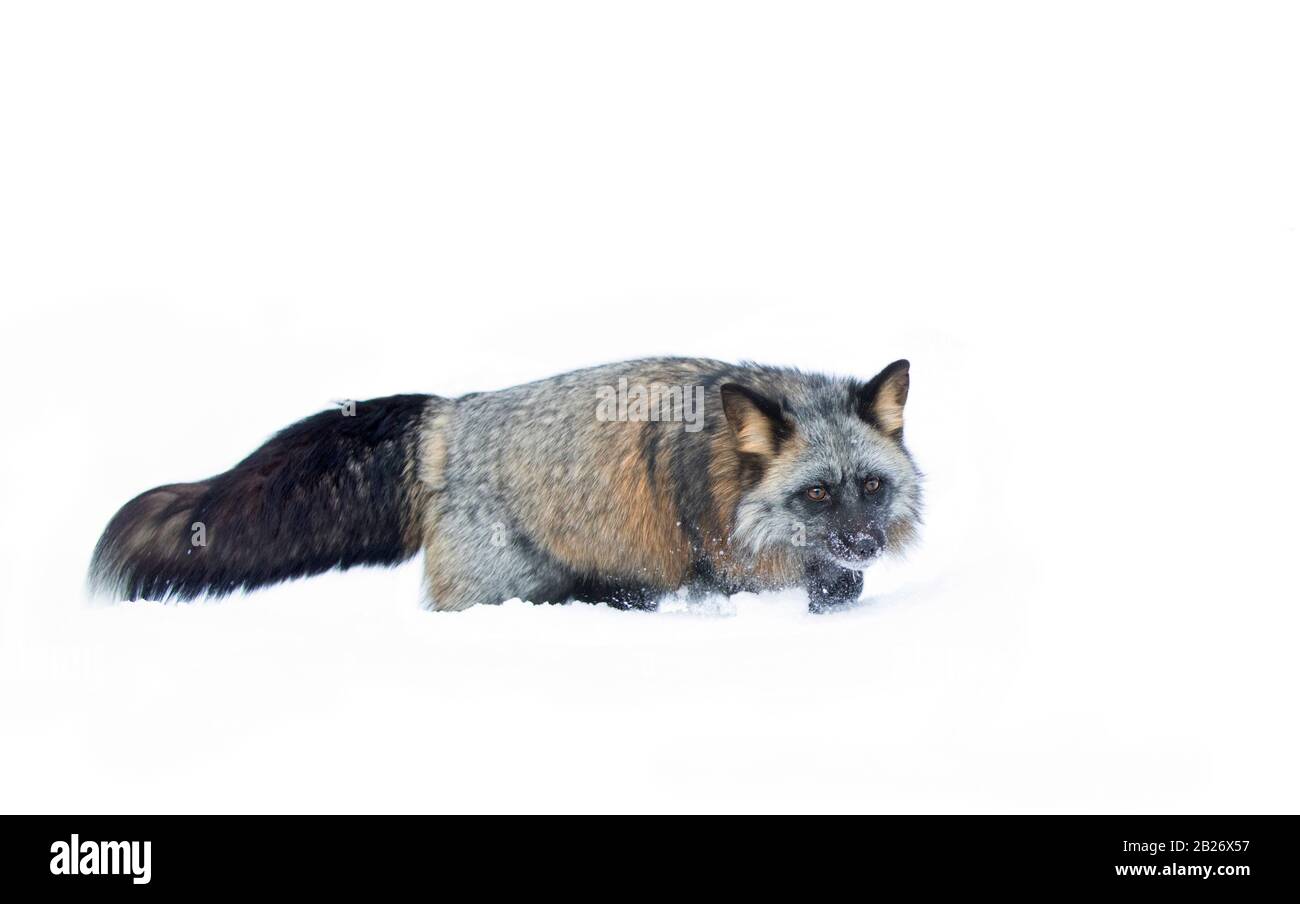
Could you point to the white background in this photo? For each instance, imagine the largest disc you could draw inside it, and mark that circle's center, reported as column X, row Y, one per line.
column 1079, row 221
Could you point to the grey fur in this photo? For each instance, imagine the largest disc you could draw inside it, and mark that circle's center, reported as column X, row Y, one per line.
column 535, row 455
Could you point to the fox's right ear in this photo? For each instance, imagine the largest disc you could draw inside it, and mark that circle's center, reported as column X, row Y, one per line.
column 756, row 421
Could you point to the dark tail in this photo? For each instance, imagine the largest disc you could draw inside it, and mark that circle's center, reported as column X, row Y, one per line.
column 337, row 489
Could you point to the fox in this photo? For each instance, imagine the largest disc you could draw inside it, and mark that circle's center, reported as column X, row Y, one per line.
column 620, row 484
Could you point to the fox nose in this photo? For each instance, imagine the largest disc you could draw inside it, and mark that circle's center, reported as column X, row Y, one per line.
column 861, row 544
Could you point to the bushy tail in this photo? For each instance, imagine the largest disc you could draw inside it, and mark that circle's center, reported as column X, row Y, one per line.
column 334, row 490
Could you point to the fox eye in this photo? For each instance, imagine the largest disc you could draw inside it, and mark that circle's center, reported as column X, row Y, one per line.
column 871, row 485
column 816, row 494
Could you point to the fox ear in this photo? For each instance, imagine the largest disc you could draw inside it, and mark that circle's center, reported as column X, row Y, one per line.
column 756, row 420
column 880, row 403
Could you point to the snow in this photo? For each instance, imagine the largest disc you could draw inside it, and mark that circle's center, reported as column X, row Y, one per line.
column 1081, row 227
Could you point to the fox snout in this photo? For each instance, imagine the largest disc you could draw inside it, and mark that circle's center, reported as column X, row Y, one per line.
column 857, row 546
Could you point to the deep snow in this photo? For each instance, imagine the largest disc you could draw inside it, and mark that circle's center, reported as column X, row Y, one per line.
column 1080, row 226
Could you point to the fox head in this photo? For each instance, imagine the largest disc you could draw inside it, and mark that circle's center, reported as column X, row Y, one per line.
column 823, row 467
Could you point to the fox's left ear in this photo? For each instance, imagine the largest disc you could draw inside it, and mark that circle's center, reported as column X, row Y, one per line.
column 880, row 403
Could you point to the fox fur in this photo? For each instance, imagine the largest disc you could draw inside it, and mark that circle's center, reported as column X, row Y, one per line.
column 780, row 479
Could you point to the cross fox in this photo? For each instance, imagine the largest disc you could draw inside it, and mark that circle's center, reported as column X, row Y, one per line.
column 620, row 484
